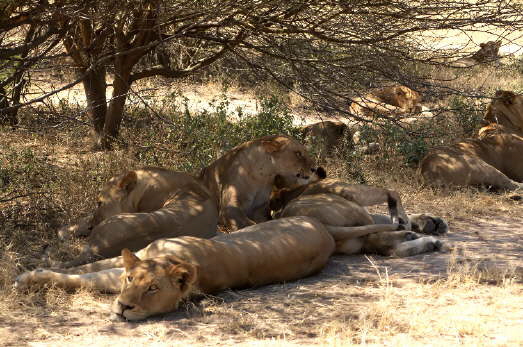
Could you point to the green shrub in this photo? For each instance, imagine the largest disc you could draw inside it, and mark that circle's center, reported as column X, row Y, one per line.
column 467, row 114
column 201, row 137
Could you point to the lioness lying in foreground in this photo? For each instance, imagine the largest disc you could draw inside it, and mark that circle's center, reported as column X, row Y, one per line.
column 340, row 207
column 168, row 270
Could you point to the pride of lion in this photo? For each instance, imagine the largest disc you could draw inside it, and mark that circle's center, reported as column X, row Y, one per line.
column 153, row 237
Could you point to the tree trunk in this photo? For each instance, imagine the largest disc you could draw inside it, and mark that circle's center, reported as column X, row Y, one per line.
column 6, row 117
column 121, row 86
column 95, row 88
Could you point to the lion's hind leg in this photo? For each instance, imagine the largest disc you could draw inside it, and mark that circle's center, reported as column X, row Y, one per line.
column 106, row 281
column 368, row 196
column 417, row 246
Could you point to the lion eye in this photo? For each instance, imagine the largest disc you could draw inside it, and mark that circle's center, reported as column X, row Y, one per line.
column 129, row 278
column 153, row 288
column 98, row 203
column 298, row 154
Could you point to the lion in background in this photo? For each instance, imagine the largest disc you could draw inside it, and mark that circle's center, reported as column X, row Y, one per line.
column 488, row 52
column 392, row 101
column 493, row 159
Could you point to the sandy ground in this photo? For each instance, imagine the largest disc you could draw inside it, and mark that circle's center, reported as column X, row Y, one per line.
column 290, row 313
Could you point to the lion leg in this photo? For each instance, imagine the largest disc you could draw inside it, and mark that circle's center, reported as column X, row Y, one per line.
column 106, row 280
column 80, row 229
column 420, row 245
column 344, row 233
column 365, row 195
column 421, row 223
column 96, row 266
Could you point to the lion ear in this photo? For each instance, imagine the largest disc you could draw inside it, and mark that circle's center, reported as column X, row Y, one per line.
column 183, row 275
column 275, row 145
column 129, row 259
column 128, row 182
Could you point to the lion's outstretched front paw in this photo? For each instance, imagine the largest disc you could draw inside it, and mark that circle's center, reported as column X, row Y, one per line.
column 33, row 278
column 428, row 224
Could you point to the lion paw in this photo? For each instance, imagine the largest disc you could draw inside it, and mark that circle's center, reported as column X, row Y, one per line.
column 409, row 236
column 31, row 278
column 430, row 225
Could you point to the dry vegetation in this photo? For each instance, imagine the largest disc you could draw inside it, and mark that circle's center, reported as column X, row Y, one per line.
column 470, row 297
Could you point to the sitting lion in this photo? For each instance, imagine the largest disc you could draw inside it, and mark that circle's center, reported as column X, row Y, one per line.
column 241, row 180
column 387, row 101
column 493, row 159
column 159, row 276
column 341, row 208
column 144, row 205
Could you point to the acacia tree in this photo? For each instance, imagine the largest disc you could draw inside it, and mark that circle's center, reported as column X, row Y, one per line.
column 120, row 37
column 330, row 49
column 28, row 33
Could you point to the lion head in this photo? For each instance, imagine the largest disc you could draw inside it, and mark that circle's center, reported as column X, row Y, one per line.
column 400, row 96
column 506, row 109
column 114, row 197
column 152, row 286
column 488, row 52
column 290, row 158
column 283, row 192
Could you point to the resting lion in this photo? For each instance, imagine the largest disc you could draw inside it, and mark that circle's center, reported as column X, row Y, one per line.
column 340, row 207
column 488, row 52
column 493, row 159
column 394, row 100
column 141, row 206
column 144, row 205
column 168, row 270
column 327, row 134
column 241, row 180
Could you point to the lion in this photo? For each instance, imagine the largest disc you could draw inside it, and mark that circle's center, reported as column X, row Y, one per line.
column 326, row 134
column 394, row 101
column 340, row 207
column 141, row 206
column 241, row 180
column 493, row 159
column 159, row 276
column 488, row 52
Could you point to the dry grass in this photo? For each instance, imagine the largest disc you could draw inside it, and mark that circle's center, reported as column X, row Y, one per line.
column 472, row 297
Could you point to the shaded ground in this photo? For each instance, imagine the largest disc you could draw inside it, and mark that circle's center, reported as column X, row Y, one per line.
column 297, row 312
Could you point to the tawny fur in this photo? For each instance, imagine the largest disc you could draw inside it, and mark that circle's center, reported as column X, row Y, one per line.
column 492, row 159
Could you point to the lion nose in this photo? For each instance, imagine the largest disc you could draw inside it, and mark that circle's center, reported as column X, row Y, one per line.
column 125, row 306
